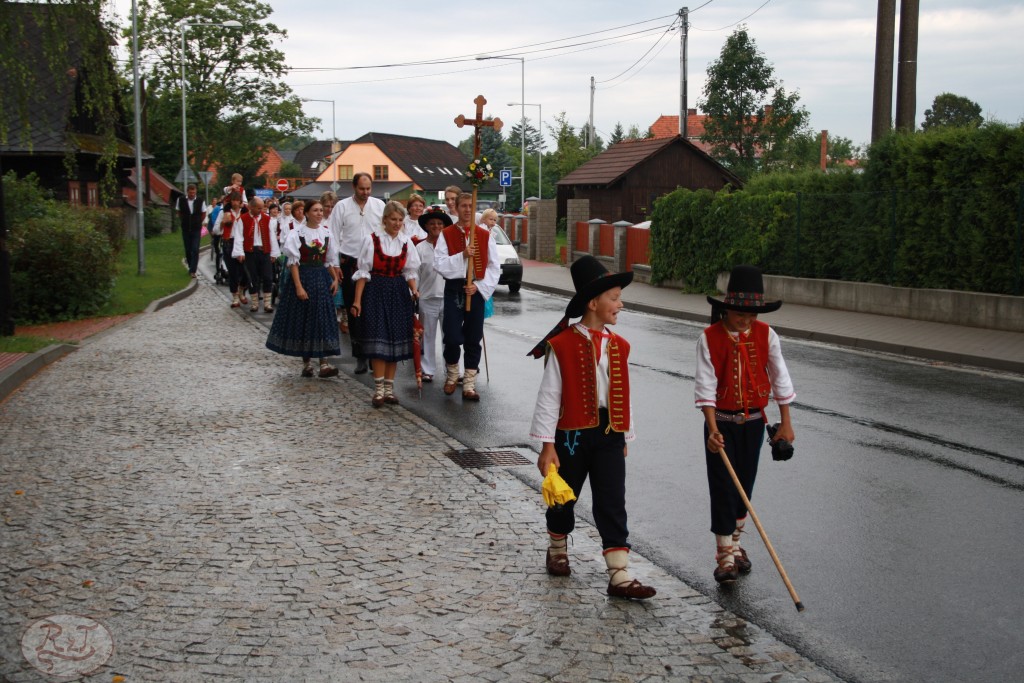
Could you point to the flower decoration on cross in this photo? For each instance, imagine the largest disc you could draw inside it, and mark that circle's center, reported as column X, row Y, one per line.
column 478, row 172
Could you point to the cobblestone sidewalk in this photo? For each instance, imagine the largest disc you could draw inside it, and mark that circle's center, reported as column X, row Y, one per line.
column 225, row 519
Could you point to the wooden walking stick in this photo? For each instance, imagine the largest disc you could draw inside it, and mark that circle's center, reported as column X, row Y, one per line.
column 483, row 338
column 760, row 530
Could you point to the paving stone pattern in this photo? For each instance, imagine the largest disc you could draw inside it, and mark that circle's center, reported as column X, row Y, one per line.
column 226, row 519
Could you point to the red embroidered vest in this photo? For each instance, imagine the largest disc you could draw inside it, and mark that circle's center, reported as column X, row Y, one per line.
column 384, row 265
column 249, row 232
column 741, row 366
column 455, row 238
column 227, row 223
column 577, row 361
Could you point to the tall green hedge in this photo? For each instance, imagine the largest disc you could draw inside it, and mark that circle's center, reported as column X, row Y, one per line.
column 940, row 209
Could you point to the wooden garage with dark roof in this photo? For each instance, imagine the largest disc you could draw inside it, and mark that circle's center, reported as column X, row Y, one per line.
column 623, row 181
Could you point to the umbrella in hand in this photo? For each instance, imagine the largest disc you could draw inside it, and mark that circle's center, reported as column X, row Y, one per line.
column 556, row 492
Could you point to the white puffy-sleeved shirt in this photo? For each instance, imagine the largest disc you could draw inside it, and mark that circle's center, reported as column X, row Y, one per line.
column 549, row 396
column 454, row 267
column 705, row 382
column 351, row 223
column 391, row 246
column 430, row 283
column 411, row 227
column 292, row 243
column 257, row 241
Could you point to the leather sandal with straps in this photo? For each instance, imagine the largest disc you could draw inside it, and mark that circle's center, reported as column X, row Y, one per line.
column 558, row 565
column 632, row 590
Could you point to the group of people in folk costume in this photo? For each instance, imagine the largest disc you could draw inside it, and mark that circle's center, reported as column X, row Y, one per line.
column 386, row 260
column 378, row 257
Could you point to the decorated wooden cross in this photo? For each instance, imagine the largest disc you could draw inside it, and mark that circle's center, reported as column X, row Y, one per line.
column 477, row 122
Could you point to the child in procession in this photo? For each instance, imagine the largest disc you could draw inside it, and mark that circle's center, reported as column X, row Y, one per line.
column 584, row 420
column 739, row 364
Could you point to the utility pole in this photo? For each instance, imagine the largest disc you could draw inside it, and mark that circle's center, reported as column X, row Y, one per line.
column 684, row 14
column 590, row 126
column 885, row 32
column 906, row 80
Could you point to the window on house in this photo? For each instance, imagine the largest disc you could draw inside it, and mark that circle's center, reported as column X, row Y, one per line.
column 92, row 194
column 380, row 172
column 74, row 194
column 345, row 172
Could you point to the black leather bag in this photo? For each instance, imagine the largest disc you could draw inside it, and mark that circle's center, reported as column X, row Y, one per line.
column 781, row 449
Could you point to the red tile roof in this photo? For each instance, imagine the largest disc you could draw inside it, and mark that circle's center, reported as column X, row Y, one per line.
column 666, row 126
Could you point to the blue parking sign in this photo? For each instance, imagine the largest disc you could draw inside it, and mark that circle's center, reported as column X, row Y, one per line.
column 505, row 178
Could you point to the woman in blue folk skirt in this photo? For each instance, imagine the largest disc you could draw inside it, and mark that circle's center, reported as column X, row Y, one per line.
column 388, row 265
column 305, row 324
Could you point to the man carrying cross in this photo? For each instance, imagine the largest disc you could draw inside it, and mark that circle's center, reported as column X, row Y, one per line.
column 466, row 252
column 459, row 245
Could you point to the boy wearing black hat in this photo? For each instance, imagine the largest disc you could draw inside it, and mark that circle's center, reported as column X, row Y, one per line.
column 431, row 284
column 584, row 419
column 739, row 363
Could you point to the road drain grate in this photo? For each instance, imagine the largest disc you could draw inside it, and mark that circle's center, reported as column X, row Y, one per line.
column 472, row 458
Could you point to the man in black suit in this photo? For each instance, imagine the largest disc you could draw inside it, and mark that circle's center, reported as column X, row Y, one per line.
column 192, row 211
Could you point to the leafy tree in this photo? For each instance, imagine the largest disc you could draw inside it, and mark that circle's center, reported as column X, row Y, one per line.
column 571, row 151
column 750, row 114
column 952, row 110
column 231, row 121
column 803, row 151
column 290, row 169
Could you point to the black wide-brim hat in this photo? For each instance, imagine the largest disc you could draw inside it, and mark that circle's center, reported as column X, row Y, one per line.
column 591, row 279
column 435, row 212
column 745, row 292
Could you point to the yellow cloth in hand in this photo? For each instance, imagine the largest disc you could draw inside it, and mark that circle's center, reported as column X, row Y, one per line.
column 556, row 491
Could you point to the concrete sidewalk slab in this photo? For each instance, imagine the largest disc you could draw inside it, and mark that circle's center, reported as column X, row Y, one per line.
column 226, row 519
column 993, row 349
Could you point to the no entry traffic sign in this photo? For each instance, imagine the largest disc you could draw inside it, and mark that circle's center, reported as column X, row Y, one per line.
column 282, row 185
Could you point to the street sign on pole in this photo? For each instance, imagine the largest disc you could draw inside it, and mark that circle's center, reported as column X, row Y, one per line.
column 505, row 178
column 282, row 185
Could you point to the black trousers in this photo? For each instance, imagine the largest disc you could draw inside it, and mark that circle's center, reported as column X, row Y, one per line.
column 601, row 456
column 349, row 265
column 461, row 328
column 743, row 446
column 236, row 271
column 260, row 269
column 190, row 236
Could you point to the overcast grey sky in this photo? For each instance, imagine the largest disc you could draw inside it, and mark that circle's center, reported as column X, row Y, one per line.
column 822, row 48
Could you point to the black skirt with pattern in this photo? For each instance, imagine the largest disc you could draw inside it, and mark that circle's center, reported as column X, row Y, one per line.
column 387, row 319
column 307, row 329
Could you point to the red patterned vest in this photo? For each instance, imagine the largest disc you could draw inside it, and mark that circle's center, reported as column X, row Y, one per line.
column 741, row 366
column 384, row 265
column 249, row 232
column 577, row 361
column 455, row 238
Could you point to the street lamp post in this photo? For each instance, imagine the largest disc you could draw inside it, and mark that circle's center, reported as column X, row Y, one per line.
column 522, row 123
column 540, row 153
column 231, row 23
column 334, row 140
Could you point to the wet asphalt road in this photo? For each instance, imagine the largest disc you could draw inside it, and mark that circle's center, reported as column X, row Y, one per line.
column 897, row 520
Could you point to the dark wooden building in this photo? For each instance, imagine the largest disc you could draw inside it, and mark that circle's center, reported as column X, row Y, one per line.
column 623, row 181
column 49, row 129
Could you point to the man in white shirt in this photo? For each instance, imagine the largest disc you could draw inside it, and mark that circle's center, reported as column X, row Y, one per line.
column 351, row 221
column 192, row 211
column 464, row 328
